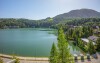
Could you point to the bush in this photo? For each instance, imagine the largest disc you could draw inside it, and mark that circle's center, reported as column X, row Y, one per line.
column 1, row 60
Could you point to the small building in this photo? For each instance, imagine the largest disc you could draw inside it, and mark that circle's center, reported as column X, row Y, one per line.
column 77, row 26
column 93, row 38
column 86, row 41
column 97, row 30
column 97, row 27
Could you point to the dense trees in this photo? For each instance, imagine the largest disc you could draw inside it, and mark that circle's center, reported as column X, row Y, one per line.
column 25, row 23
column 53, row 54
column 88, row 48
column 85, row 21
column 79, row 32
column 48, row 22
column 80, row 43
column 98, row 44
column 91, row 48
column 87, row 31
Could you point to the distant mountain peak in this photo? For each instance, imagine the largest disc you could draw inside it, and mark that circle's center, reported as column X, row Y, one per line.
column 79, row 13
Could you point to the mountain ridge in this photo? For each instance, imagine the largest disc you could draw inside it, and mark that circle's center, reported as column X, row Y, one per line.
column 79, row 13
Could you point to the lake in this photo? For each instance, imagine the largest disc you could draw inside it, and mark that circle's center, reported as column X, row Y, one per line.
column 35, row 42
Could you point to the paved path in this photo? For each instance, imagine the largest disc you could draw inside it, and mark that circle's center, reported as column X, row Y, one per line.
column 79, row 61
column 5, row 60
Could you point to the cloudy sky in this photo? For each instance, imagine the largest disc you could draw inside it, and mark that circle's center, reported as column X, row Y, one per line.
column 40, row 9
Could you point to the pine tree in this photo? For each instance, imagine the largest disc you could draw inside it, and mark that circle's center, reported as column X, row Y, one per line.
column 64, row 53
column 80, row 43
column 91, row 48
column 53, row 54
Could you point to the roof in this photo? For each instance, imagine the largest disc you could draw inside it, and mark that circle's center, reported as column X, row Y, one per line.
column 85, row 40
column 93, row 38
column 81, row 54
column 97, row 27
column 75, row 54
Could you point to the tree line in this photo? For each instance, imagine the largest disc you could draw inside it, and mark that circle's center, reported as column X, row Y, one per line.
column 77, row 33
column 47, row 23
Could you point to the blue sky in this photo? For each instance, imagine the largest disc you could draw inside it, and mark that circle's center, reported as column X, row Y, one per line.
column 40, row 9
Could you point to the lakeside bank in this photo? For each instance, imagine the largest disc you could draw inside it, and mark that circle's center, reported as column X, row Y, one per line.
column 25, row 58
column 37, row 58
column 7, row 58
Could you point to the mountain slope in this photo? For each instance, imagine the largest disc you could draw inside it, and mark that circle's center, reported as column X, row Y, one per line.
column 80, row 13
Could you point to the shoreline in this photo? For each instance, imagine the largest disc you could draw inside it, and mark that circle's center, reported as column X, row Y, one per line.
column 25, row 58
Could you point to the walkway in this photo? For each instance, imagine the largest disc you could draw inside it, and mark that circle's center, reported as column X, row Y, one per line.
column 33, row 61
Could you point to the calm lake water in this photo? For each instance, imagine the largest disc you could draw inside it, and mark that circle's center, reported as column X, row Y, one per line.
column 29, row 42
